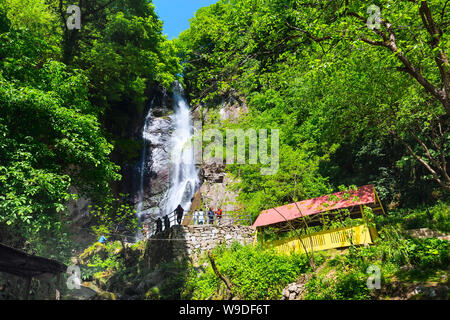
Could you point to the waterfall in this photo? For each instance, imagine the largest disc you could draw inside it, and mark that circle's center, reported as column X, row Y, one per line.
column 183, row 173
column 167, row 159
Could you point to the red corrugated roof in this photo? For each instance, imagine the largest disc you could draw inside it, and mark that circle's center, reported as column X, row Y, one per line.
column 308, row 207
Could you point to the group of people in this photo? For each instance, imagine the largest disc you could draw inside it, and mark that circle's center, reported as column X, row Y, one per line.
column 179, row 214
column 199, row 216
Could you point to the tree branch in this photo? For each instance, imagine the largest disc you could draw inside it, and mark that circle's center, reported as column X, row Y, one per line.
column 436, row 177
column 220, row 276
column 389, row 41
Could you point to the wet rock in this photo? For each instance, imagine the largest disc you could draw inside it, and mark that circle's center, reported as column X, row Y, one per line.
column 156, row 178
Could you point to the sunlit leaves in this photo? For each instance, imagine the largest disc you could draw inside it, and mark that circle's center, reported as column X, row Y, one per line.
column 50, row 138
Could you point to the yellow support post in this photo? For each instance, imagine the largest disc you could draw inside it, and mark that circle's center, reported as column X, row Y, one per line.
column 256, row 237
column 362, row 214
column 378, row 199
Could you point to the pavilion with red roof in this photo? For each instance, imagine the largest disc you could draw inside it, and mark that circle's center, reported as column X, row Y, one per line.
column 291, row 215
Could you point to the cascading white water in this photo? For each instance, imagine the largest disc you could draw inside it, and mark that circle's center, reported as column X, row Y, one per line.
column 144, row 160
column 183, row 174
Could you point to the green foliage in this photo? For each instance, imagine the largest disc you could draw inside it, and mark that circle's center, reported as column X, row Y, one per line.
column 254, row 273
column 115, row 219
column 100, row 258
column 35, row 17
column 347, row 112
column 125, row 56
column 297, row 178
column 346, row 286
column 175, row 274
column 436, row 217
column 348, row 280
column 429, row 253
column 129, row 52
column 303, row 68
column 50, row 137
column 59, row 91
column 152, row 294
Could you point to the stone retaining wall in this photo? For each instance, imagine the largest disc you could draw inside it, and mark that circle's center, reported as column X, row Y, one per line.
column 190, row 241
column 206, row 237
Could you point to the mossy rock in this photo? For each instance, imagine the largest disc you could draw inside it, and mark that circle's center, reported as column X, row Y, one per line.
column 102, row 278
column 153, row 294
column 96, row 248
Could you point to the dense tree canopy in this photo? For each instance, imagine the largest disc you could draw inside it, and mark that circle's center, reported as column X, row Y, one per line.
column 57, row 87
column 374, row 99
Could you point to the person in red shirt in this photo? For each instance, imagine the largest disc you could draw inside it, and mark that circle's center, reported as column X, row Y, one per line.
column 219, row 215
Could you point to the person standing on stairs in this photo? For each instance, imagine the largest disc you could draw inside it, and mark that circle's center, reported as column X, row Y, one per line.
column 219, row 215
column 158, row 225
column 179, row 211
column 210, row 216
column 201, row 217
column 166, row 222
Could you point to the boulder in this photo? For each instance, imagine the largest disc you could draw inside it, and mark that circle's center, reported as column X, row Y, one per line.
column 292, row 287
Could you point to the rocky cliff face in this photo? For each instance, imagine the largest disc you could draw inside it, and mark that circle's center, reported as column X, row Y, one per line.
column 151, row 179
column 129, row 143
column 215, row 189
column 156, row 172
column 229, row 109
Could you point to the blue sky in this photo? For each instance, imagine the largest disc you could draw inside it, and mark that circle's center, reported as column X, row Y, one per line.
column 176, row 14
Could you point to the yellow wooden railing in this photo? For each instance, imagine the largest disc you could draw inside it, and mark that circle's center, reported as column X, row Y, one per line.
column 324, row 240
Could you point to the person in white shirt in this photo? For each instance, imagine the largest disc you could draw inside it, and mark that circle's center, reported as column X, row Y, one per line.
column 201, row 217
column 195, row 217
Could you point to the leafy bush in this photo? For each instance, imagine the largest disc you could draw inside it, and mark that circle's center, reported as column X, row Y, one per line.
column 429, row 253
column 255, row 273
column 99, row 258
column 346, row 286
column 390, row 253
column 436, row 217
column 174, row 274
